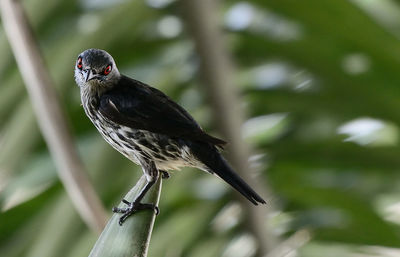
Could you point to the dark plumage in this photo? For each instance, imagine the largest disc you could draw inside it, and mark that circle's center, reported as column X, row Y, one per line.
column 148, row 127
column 139, row 106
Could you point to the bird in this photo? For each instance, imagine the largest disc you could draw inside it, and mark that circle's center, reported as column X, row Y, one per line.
column 148, row 128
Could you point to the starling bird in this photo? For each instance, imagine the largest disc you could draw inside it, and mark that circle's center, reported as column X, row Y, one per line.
column 147, row 127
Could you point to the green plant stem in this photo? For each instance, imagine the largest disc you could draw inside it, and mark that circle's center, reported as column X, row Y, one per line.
column 133, row 237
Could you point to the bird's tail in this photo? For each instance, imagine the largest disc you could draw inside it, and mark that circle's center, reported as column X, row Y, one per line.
column 217, row 164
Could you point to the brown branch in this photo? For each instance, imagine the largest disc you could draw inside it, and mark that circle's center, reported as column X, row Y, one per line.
column 49, row 114
column 218, row 73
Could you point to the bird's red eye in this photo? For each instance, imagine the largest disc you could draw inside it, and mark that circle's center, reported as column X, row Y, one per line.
column 107, row 70
column 79, row 63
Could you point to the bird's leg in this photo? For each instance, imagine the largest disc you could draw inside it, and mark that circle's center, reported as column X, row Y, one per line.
column 136, row 205
column 152, row 175
column 164, row 174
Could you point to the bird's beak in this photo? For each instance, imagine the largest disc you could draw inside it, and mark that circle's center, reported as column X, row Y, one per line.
column 89, row 75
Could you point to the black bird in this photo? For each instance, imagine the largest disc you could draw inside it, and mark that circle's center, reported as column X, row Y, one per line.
column 147, row 127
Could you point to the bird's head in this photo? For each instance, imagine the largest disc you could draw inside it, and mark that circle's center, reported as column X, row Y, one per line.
column 95, row 69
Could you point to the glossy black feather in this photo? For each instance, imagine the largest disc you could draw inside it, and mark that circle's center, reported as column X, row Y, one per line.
column 216, row 164
column 136, row 105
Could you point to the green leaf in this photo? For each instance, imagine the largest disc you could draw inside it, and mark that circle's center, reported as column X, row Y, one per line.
column 133, row 237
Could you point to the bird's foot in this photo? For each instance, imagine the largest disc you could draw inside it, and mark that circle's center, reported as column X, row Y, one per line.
column 164, row 174
column 132, row 208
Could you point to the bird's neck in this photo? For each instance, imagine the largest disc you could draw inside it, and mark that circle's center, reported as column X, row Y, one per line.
column 92, row 91
column 94, row 88
column 90, row 102
column 90, row 95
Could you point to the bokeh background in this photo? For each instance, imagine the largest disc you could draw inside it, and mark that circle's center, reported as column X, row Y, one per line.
column 319, row 83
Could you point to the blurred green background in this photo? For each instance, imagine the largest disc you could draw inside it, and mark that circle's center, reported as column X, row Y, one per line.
column 319, row 80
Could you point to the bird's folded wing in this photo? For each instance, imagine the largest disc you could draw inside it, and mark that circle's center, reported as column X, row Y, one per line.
column 136, row 105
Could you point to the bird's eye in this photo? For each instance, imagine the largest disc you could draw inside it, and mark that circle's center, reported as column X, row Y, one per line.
column 107, row 70
column 79, row 63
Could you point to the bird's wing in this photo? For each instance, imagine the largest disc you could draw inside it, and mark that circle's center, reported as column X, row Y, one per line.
column 139, row 106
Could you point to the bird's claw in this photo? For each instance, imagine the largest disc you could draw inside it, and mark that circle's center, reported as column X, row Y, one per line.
column 164, row 174
column 132, row 208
